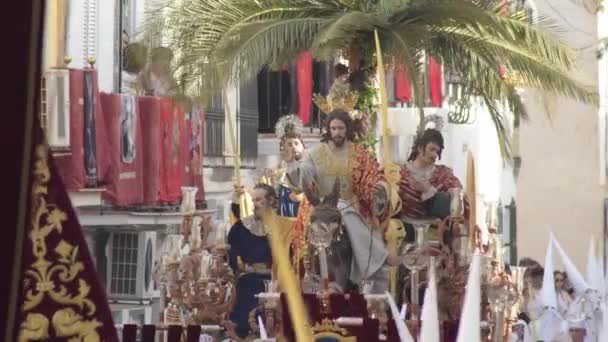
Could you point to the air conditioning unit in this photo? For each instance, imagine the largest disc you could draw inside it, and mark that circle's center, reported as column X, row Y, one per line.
column 131, row 265
column 55, row 107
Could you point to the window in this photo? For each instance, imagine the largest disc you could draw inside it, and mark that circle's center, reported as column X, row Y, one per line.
column 90, row 30
column 124, row 263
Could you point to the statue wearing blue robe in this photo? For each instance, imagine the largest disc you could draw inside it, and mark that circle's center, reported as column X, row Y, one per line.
column 250, row 258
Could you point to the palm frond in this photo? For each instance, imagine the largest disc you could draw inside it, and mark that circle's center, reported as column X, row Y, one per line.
column 220, row 41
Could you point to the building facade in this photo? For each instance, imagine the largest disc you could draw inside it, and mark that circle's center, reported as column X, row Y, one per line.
column 558, row 188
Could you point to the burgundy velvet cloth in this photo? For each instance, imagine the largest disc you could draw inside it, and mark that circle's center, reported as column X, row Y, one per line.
column 149, row 109
column 70, row 166
column 55, row 256
column 304, row 78
column 355, row 306
column 174, row 333
column 193, row 333
column 148, row 333
column 449, row 331
column 171, row 120
column 435, row 82
column 129, row 333
column 126, row 179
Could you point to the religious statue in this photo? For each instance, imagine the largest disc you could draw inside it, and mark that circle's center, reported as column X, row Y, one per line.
column 287, row 130
column 426, row 189
column 250, row 256
column 363, row 195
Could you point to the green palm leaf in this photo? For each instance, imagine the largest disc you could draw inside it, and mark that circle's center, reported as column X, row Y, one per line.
column 234, row 39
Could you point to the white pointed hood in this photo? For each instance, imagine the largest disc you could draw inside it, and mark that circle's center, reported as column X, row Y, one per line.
column 549, row 324
column 574, row 275
column 430, row 315
column 595, row 272
column 469, row 329
column 547, row 292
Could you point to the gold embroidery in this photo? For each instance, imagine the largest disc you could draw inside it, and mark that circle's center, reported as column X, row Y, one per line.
column 35, row 327
column 55, row 270
column 336, row 167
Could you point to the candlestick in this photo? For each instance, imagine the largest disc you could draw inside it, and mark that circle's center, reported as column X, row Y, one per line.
column 205, row 264
column 195, row 233
column 323, row 264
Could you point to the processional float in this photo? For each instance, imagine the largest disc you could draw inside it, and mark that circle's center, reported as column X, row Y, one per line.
column 201, row 286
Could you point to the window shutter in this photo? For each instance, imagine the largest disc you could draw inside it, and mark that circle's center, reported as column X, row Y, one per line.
column 90, row 30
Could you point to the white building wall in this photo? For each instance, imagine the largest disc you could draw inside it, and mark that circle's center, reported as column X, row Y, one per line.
column 558, row 187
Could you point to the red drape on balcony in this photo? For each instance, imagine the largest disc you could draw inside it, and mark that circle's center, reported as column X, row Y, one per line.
column 435, row 82
column 304, row 77
column 126, row 185
column 193, row 171
column 71, row 165
column 403, row 85
column 171, row 127
column 150, row 122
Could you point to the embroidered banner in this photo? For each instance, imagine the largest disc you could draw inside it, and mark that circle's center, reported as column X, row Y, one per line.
column 125, row 186
column 83, row 153
column 61, row 296
column 171, row 118
column 150, row 127
column 194, row 140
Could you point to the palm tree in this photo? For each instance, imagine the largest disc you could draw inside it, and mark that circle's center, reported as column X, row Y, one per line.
column 220, row 41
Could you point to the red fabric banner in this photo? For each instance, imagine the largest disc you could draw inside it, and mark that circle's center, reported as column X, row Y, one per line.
column 193, row 170
column 61, row 297
column 149, row 110
column 304, row 78
column 171, row 120
column 403, row 85
column 435, row 82
column 124, row 129
column 71, row 165
column 102, row 140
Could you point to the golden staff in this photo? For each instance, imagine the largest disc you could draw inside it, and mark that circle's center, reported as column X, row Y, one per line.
column 245, row 205
column 471, row 195
column 287, row 279
column 394, row 230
